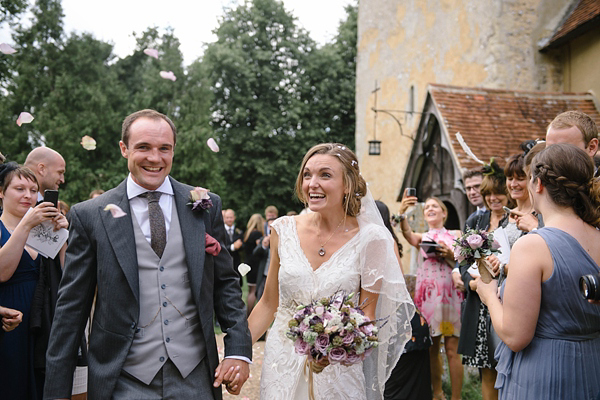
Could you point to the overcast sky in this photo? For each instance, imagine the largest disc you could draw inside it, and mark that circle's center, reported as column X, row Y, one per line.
column 193, row 20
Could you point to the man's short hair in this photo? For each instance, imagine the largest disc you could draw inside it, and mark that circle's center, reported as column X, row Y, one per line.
column 271, row 209
column 581, row 121
column 147, row 113
column 471, row 173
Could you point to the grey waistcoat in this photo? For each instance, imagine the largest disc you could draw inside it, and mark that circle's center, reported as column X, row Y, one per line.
column 168, row 324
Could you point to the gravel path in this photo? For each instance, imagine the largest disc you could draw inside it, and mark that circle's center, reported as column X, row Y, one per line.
column 251, row 389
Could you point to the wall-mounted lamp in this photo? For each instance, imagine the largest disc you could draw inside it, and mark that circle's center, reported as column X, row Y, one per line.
column 374, row 147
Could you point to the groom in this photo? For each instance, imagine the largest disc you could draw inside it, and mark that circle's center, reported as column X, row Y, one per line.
column 157, row 285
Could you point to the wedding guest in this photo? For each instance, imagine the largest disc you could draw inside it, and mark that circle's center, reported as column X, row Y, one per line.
column 95, row 193
column 271, row 214
column 411, row 377
column 342, row 245
column 551, row 346
column 49, row 168
column 233, row 240
column 472, row 180
column 576, row 128
column 254, row 231
column 63, row 207
column 19, row 274
column 473, row 344
column 436, row 297
column 160, row 276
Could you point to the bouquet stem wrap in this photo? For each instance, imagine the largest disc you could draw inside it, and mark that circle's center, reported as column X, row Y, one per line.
column 484, row 270
column 311, row 367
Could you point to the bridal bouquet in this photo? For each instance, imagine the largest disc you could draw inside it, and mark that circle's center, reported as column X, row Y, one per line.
column 473, row 247
column 332, row 330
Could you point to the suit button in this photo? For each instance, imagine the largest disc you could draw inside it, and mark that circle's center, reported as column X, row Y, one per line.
column 162, row 268
column 166, row 322
column 164, row 303
column 161, row 359
column 163, row 286
column 133, row 325
column 168, row 340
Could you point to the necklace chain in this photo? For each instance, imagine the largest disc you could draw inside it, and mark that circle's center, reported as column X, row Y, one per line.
column 322, row 251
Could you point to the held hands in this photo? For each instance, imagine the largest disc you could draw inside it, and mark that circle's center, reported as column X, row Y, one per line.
column 486, row 291
column 10, row 318
column 458, row 282
column 233, row 373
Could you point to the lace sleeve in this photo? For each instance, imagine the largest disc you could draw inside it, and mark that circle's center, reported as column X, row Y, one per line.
column 381, row 274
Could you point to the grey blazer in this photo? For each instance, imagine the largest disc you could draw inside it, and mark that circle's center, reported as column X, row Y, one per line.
column 101, row 253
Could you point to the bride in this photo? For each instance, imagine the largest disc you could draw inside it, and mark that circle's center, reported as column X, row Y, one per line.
column 341, row 245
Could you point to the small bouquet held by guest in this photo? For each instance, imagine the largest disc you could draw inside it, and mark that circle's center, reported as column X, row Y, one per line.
column 332, row 331
column 473, row 247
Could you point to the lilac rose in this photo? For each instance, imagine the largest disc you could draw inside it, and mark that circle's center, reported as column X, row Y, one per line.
column 349, row 338
column 495, row 245
column 301, row 347
column 475, row 241
column 337, row 355
column 321, row 343
column 367, row 329
column 352, row 358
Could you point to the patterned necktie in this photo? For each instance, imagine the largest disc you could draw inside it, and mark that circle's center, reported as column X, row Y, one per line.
column 158, row 232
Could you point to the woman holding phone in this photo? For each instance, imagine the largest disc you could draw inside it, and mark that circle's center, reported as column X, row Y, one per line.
column 19, row 273
column 435, row 295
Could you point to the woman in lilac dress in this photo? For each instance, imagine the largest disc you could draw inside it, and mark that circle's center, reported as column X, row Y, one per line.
column 551, row 334
column 435, row 295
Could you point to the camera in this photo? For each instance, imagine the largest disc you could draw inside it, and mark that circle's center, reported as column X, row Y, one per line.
column 589, row 285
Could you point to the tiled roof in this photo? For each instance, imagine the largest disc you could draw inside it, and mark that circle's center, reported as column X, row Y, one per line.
column 583, row 17
column 495, row 122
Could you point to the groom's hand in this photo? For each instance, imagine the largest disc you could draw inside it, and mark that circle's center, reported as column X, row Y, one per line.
column 233, row 373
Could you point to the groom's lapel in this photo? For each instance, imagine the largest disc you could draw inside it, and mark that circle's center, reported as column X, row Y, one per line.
column 121, row 237
column 193, row 230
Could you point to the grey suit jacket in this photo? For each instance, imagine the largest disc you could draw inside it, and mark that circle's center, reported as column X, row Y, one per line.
column 101, row 253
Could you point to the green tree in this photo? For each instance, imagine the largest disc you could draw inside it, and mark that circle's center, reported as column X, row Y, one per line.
column 257, row 68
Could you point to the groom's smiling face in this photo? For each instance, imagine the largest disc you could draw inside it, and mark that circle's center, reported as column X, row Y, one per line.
column 149, row 152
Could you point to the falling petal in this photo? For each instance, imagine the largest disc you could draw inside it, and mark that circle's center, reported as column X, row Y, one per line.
column 213, row 145
column 243, row 269
column 151, row 53
column 7, row 49
column 115, row 210
column 88, row 143
column 168, row 75
column 24, row 118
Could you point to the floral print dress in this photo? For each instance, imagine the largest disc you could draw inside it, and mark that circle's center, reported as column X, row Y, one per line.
column 435, row 295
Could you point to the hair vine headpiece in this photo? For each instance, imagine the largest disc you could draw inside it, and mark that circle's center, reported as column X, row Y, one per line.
column 493, row 170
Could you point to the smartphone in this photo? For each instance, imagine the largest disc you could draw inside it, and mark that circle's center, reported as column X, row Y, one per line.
column 411, row 192
column 429, row 247
column 52, row 197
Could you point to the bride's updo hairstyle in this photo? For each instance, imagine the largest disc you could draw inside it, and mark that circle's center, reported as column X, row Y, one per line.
column 567, row 173
column 354, row 182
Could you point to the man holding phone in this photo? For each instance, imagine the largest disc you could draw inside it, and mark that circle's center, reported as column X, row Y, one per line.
column 49, row 168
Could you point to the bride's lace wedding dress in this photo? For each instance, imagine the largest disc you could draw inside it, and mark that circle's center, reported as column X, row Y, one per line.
column 283, row 376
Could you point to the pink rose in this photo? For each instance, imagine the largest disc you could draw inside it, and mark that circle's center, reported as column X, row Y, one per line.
column 352, row 358
column 349, row 338
column 458, row 254
column 495, row 245
column 475, row 241
column 367, row 329
column 321, row 343
column 301, row 347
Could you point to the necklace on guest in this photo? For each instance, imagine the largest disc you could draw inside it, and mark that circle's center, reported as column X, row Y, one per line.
column 322, row 251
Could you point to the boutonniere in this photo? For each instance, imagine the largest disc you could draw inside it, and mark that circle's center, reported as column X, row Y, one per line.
column 199, row 199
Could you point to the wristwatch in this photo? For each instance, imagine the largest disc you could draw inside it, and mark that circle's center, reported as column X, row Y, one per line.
column 401, row 217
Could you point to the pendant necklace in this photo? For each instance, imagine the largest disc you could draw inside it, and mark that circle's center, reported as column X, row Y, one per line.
column 322, row 249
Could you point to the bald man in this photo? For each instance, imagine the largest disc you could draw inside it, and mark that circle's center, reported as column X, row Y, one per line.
column 49, row 168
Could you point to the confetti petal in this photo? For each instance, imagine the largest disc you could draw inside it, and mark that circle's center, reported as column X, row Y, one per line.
column 168, row 75
column 213, row 145
column 7, row 49
column 24, row 118
column 243, row 269
column 115, row 210
column 151, row 53
column 88, row 143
